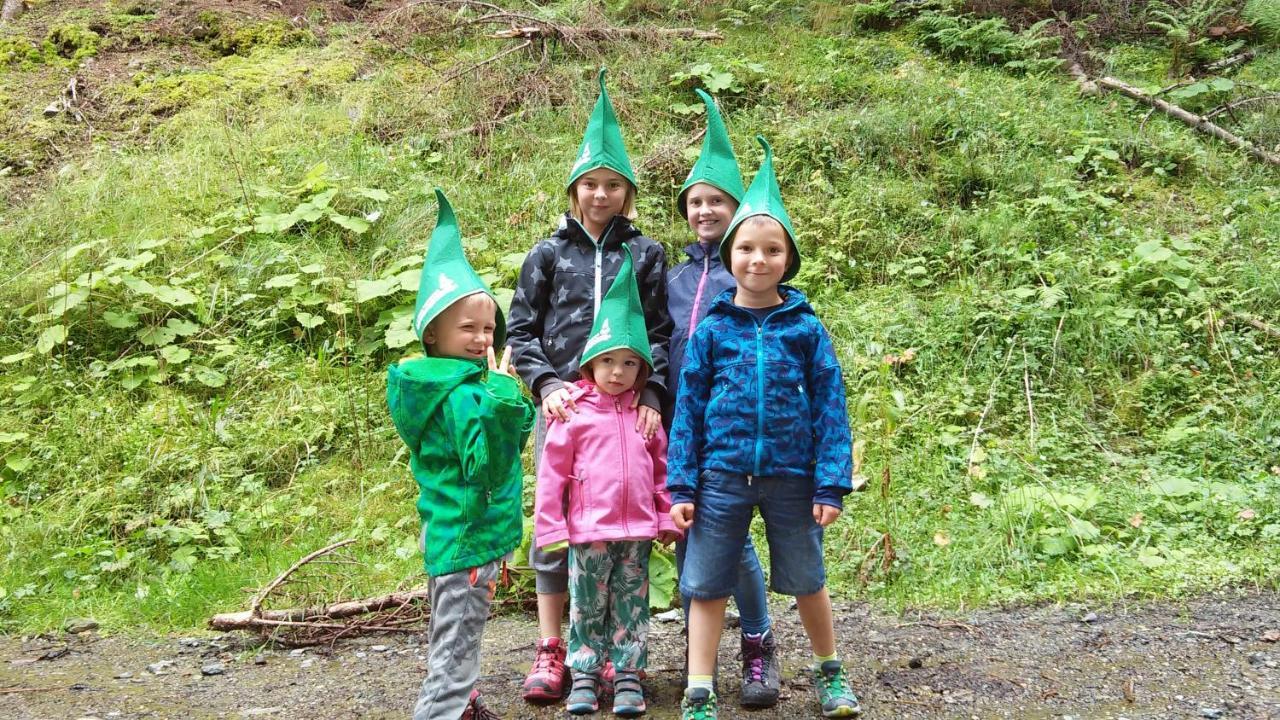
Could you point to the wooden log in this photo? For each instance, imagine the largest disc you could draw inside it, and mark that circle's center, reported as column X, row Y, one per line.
column 247, row 620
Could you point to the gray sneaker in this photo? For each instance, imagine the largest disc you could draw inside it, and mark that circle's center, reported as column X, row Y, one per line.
column 761, row 680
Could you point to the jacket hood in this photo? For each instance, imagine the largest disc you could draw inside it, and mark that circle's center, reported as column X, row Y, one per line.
column 586, row 391
column 619, row 230
column 792, row 301
column 416, row 388
column 697, row 251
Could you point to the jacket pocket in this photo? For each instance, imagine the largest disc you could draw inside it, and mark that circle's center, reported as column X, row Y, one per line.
column 578, row 496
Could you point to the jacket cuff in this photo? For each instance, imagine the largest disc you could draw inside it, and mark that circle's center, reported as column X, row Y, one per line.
column 833, row 497
column 548, row 385
column 551, row 538
column 681, row 495
column 650, row 398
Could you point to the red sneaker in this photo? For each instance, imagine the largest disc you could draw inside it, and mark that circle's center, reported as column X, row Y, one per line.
column 548, row 678
column 477, row 710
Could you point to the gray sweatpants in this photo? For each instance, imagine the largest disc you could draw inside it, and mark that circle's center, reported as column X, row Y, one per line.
column 459, row 609
column 551, row 569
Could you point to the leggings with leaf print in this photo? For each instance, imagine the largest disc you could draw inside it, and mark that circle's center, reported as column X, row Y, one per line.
column 609, row 605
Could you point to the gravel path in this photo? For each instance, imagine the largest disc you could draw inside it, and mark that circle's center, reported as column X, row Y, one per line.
column 1214, row 656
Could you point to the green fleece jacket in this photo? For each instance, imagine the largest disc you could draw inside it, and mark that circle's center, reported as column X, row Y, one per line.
column 465, row 428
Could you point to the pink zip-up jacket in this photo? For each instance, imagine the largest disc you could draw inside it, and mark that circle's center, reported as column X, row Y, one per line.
column 599, row 479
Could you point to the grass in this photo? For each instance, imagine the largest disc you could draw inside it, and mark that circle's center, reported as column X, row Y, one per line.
column 1046, row 257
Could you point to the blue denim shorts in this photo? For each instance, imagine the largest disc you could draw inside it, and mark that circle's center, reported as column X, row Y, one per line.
column 721, row 523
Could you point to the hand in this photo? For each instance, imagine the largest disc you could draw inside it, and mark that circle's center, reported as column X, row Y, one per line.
column 649, row 421
column 557, row 405
column 682, row 515
column 666, row 537
column 824, row 515
column 504, row 367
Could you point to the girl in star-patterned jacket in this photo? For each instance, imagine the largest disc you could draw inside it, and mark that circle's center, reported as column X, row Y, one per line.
column 557, row 296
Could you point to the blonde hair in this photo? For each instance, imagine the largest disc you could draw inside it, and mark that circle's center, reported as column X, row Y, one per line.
column 628, row 203
column 642, row 376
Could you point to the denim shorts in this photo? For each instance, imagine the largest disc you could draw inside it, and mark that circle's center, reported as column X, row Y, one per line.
column 721, row 522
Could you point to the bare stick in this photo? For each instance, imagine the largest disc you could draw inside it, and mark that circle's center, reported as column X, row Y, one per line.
column 350, row 608
column 1255, row 323
column 1031, row 411
column 1230, row 62
column 255, row 608
column 991, row 399
column 560, row 32
column 1196, row 122
column 459, row 73
column 1229, row 107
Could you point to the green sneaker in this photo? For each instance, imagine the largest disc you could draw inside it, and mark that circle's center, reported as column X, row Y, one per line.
column 834, row 694
column 698, row 704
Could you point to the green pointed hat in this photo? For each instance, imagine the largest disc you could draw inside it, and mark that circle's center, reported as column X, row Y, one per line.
column 717, row 164
column 620, row 321
column 763, row 198
column 447, row 276
column 602, row 143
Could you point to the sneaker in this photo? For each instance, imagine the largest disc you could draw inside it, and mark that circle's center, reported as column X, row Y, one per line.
column 548, row 677
column 584, row 698
column 628, row 695
column 698, row 704
column 477, row 710
column 834, row 694
column 761, row 680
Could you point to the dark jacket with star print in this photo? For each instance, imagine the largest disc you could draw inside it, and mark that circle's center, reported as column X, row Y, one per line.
column 560, row 283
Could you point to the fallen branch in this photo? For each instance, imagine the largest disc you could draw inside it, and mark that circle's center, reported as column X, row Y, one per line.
column 483, row 126
column 1254, row 322
column 255, row 607
column 248, row 619
column 1230, row 62
column 1229, row 107
column 567, row 32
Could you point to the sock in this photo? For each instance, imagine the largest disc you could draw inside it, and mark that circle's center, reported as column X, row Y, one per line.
column 700, row 681
column 755, row 636
column 819, row 659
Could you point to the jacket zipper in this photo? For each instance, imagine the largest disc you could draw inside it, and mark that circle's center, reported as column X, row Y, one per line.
column 759, row 394
column 617, row 407
column 697, row 297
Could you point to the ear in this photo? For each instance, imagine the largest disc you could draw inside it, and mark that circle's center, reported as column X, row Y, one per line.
column 429, row 335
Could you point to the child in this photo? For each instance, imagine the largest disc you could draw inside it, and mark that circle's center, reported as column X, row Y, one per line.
column 615, row 483
column 708, row 200
column 555, row 303
column 465, row 421
column 760, row 422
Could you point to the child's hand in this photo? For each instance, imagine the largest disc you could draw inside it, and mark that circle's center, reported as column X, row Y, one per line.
column 824, row 515
column 682, row 515
column 504, row 367
column 557, row 405
column 649, row 421
column 666, row 537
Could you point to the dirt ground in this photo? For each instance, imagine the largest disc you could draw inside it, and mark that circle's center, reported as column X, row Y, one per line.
column 1212, row 657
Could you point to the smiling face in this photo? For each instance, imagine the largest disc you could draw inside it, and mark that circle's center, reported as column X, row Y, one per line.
column 464, row 330
column 708, row 210
column 758, row 258
column 597, row 196
column 616, row 371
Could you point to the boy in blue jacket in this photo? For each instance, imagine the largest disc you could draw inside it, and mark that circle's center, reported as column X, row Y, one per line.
column 760, row 421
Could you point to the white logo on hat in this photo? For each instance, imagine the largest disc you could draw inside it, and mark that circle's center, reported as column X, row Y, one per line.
column 447, row 285
column 601, row 336
column 584, row 158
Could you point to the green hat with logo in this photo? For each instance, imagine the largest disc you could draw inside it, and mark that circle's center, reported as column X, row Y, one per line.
column 447, row 276
column 620, row 321
column 717, row 165
column 763, row 198
column 602, row 143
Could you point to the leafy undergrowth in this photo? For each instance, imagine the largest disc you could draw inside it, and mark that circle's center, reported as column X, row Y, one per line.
column 1050, row 310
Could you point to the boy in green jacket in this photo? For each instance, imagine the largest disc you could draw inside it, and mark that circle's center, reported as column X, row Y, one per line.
column 465, row 422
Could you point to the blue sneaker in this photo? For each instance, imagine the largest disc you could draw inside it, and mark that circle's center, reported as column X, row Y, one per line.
column 628, row 695
column 584, row 698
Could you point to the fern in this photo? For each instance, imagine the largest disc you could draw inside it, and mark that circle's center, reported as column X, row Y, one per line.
column 1264, row 15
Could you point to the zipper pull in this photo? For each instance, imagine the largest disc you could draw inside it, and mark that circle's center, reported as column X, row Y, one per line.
column 748, row 481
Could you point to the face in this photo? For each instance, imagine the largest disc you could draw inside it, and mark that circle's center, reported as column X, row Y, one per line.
column 615, row 372
column 601, row 194
column 464, row 329
column 708, row 210
column 758, row 257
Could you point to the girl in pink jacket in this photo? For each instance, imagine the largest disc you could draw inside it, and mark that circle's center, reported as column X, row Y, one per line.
column 602, row 489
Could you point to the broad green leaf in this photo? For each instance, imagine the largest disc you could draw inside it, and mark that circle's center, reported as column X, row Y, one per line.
column 662, row 579
column 157, row 335
column 175, row 296
column 12, row 437
column 372, row 193
column 307, row 320
column 980, row 500
column 400, row 334
column 1082, row 529
column 18, row 464
column 718, row 81
column 16, row 357
column 367, row 290
column 175, row 355
column 1174, row 487
column 312, row 269
column 338, row 308
column 182, row 327
column 52, row 336
column 1222, row 84
column 1056, row 544
column 1152, row 251
column 1151, row 557
column 409, row 279
column 208, row 376
column 120, row 320
column 287, row 280
column 73, row 298
column 138, row 285
column 356, row 225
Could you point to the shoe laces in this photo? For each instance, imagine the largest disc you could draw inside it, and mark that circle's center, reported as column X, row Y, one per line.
column 477, row 710
column 753, row 659
column 700, row 710
column 834, row 682
column 546, row 659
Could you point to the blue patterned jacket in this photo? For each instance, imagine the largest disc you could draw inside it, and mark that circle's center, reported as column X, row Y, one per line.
column 761, row 399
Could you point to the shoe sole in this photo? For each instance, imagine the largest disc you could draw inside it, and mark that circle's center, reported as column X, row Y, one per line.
column 542, row 697
column 844, row 712
column 630, row 711
column 759, row 699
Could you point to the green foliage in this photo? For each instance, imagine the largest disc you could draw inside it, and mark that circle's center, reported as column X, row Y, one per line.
column 990, row 40
column 732, row 79
column 73, row 41
column 1185, row 27
column 242, row 39
column 1265, row 17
